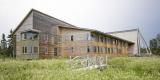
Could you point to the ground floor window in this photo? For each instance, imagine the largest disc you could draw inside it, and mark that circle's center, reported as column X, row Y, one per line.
column 46, row 50
column 109, row 50
column 29, row 49
column 55, row 51
column 24, row 50
column 88, row 49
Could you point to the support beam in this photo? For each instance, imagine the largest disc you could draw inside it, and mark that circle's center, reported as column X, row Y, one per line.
column 138, row 42
column 145, row 43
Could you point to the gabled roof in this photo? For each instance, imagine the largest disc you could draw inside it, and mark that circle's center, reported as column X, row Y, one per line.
column 122, row 31
column 53, row 17
column 33, row 10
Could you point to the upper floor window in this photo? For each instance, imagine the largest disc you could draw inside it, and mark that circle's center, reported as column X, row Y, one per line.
column 29, row 36
column 101, row 39
column 45, row 38
column 18, row 38
column 94, row 49
column 88, row 36
column 109, row 40
column 71, row 37
column 93, row 37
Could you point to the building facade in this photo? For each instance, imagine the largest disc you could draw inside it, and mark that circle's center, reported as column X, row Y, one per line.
column 42, row 36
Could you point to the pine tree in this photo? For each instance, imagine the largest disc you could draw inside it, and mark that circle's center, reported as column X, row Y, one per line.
column 3, row 51
column 155, row 45
column 3, row 42
column 10, row 44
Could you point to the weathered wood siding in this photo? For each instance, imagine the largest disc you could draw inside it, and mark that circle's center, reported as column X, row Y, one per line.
column 27, row 24
column 83, row 44
column 48, row 27
column 77, row 46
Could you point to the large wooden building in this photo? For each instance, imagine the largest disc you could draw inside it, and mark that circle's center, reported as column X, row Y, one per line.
column 42, row 36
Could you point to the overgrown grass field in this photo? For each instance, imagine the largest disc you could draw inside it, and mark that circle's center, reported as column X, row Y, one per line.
column 120, row 68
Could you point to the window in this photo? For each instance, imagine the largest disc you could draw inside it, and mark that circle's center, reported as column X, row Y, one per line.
column 101, row 49
column 105, row 40
column 24, row 36
column 88, row 49
column 55, row 51
column 71, row 37
column 114, row 50
column 101, row 39
column 29, row 49
column 106, row 50
column 88, row 36
column 53, row 41
column 98, row 49
column 109, row 40
column 93, row 37
column 24, row 50
column 46, row 38
column 72, row 49
column 30, row 36
column 97, row 38
column 94, row 48
column 113, row 41
column 35, row 36
column 109, row 50
column 46, row 50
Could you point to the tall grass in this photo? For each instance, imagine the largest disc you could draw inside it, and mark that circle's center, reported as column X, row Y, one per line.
column 121, row 68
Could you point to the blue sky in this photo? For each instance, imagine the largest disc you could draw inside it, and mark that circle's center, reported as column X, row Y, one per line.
column 103, row 15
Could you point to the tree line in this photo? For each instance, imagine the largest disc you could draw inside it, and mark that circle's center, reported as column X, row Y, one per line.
column 6, row 47
column 155, row 45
